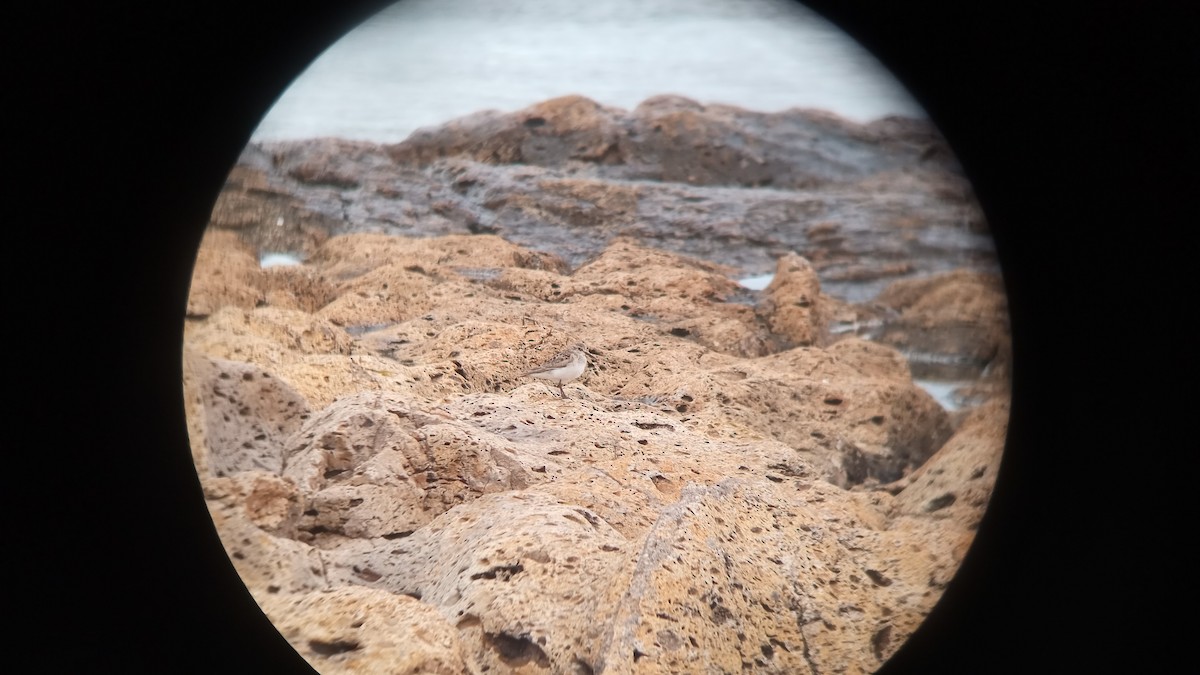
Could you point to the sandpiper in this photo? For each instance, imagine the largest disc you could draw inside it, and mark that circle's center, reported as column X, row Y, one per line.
column 564, row 367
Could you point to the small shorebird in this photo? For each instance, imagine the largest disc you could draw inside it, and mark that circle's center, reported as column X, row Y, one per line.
column 563, row 367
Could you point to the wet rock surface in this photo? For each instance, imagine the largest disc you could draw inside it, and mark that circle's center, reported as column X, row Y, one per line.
column 740, row 480
column 867, row 204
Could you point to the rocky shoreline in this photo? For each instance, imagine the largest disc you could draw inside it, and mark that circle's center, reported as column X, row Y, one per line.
column 741, row 480
column 868, row 204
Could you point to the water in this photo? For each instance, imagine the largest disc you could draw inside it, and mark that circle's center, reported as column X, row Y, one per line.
column 945, row 392
column 273, row 259
column 758, row 282
column 424, row 62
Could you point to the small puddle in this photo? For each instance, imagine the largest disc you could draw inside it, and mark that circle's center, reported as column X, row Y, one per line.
column 357, row 331
column 757, row 283
column 945, row 392
column 277, row 259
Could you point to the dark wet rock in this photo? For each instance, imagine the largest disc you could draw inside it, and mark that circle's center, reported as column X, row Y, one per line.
column 677, row 140
column 551, row 133
column 866, row 204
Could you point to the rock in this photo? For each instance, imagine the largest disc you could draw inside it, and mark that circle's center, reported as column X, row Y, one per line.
column 569, row 175
column 685, row 296
column 245, row 414
column 332, row 162
column 264, row 211
column 957, row 480
column 296, row 287
column 669, row 460
column 360, row 630
column 675, row 139
column 763, row 564
column 299, row 347
column 523, row 589
column 268, row 563
column 708, row 488
column 870, row 359
column 372, row 466
column 347, row 257
column 744, row 480
column 226, row 274
column 385, row 295
column 792, row 304
column 552, row 133
column 953, row 322
column 266, row 334
column 263, row 499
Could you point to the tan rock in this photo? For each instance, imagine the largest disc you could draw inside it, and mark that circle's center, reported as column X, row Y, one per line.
column 688, row 503
column 528, row 284
column 961, row 316
column 196, row 369
column 384, row 295
column 366, row 631
column 266, row 335
column 685, row 296
column 812, row 401
column 792, row 304
column 265, row 500
column 298, row 287
column 371, row 465
column 267, row 563
column 870, row 359
column 523, row 588
column 226, row 274
column 348, row 256
column 746, row 575
column 245, row 414
column 957, row 480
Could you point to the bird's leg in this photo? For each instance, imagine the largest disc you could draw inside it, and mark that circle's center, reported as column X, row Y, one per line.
column 560, row 390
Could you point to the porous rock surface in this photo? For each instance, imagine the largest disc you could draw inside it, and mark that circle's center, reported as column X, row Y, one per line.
column 689, row 505
column 736, row 483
